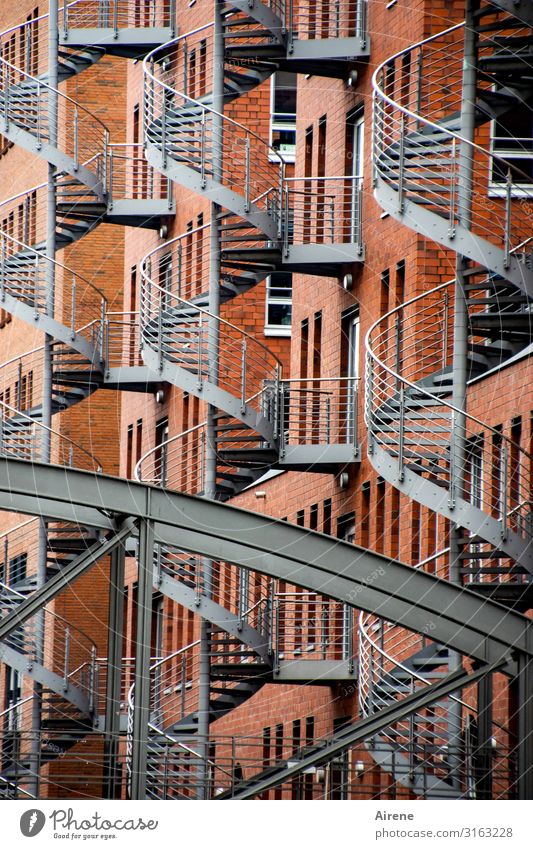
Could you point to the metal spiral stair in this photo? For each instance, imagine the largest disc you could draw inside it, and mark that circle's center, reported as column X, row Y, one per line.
column 66, row 673
column 261, row 229
column 409, row 413
column 417, row 144
column 92, row 177
column 237, row 672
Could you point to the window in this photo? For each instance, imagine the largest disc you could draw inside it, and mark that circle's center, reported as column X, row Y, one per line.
column 165, row 280
column 512, row 138
column 161, row 437
column 355, row 130
column 283, row 114
column 350, row 345
column 278, row 305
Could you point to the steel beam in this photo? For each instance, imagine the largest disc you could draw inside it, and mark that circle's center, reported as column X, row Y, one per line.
column 114, row 673
column 366, row 580
column 482, row 757
column 363, row 729
column 524, row 684
column 141, row 703
column 42, row 595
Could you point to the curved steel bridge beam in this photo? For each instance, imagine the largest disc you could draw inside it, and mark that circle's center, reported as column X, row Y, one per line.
column 456, row 617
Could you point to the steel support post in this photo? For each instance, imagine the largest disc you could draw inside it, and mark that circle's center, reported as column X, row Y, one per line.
column 114, row 674
column 460, row 337
column 212, row 354
column 482, row 758
column 53, row 43
column 524, row 686
column 141, row 704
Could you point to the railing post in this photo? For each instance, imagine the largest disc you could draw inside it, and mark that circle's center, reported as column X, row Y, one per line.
column 115, row 19
column 172, row 11
column 107, row 187
column 164, row 131
column 66, row 659
column 103, row 333
column 38, row 109
column 399, row 333
column 401, row 434
column 270, row 608
column 446, row 327
column 3, row 269
column 185, row 60
column 243, row 376
column 200, row 352
column 453, row 186
column 369, row 401
column 290, row 26
column 328, row 421
column 419, row 78
column 111, row 178
column 286, row 215
column 452, row 475
column 247, row 174
column 92, row 680
column 279, row 207
column 504, row 486
column 507, row 232
column 401, row 165
column 6, row 95
column 76, row 163
column 276, row 636
column 202, row 150
column 324, row 629
column 73, row 312
column 355, row 413
column 183, row 683
column 160, row 333
column 19, row 385
column 65, row 21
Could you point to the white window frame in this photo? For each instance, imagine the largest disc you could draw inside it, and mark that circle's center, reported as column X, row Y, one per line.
column 288, row 155
column 357, row 169
column 498, row 189
column 276, row 329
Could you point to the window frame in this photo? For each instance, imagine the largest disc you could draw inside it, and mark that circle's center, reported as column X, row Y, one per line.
column 280, row 126
column 277, row 329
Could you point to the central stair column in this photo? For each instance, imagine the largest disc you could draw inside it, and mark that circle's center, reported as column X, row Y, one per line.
column 141, row 714
column 45, row 448
column 460, row 336
column 213, row 366
column 114, row 673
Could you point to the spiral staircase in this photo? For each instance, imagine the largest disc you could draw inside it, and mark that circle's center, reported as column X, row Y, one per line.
column 419, row 172
column 94, row 183
column 263, row 226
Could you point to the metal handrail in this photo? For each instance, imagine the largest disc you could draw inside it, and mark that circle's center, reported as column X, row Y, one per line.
column 422, row 389
column 51, row 430
column 55, row 615
column 44, row 255
column 427, row 121
column 202, row 310
column 151, row 57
